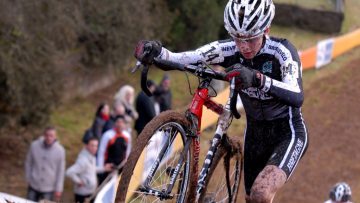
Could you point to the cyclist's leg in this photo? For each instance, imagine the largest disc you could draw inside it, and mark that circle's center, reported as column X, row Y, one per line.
column 288, row 141
column 255, row 155
column 267, row 183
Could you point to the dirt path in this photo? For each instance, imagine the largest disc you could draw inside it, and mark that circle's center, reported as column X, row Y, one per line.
column 332, row 115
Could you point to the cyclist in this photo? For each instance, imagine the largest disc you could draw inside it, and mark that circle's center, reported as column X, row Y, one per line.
column 340, row 193
column 268, row 75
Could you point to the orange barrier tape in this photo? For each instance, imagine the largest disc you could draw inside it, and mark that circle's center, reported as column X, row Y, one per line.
column 340, row 45
column 346, row 43
column 308, row 58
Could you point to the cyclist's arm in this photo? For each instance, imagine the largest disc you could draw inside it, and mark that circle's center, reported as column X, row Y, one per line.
column 289, row 89
column 214, row 53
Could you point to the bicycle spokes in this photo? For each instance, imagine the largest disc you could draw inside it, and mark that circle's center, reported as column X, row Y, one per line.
column 164, row 167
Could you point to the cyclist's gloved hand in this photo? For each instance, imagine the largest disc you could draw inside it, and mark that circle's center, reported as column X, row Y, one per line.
column 245, row 77
column 146, row 51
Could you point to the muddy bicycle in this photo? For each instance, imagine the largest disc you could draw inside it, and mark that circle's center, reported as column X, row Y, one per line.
column 163, row 165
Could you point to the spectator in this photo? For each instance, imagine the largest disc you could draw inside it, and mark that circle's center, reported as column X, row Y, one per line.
column 102, row 115
column 115, row 146
column 340, row 193
column 118, row 110
column 145, row 106
column 45, row 167
column 125, row 96
column 83, row 172
column 163, row 93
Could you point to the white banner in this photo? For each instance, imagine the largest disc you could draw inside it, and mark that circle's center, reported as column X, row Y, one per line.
column 324, row 52
column 108, row 192
column 6, row 198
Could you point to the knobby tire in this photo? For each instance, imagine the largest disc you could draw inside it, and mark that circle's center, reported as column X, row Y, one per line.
column 141, row 143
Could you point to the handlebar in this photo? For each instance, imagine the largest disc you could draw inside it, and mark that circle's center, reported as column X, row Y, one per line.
column 196, row 70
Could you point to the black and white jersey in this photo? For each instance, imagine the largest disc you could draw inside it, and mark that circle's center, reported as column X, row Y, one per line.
column 278, row 60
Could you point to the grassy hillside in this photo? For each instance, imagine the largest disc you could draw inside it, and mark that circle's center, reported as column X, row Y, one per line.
column 73, row 117
column 322, row 5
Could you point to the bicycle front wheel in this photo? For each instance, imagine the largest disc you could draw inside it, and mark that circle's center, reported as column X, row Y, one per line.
column 223, row 180
column 154, row 160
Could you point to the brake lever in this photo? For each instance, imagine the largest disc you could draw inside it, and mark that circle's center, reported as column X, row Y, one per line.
column 144, row 87
column 137, row 66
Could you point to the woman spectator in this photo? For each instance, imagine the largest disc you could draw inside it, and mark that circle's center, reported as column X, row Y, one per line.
column 125, row 95
column 102, row 115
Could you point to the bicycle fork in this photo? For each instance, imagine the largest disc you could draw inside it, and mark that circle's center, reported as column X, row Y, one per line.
column 166, row 193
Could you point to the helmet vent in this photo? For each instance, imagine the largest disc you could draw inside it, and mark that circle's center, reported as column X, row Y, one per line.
column 241, row 16
column 253, row 22
column 231, row 23
column 266, row 10
column 265, row 23
column 255, row 7
column 232, row 8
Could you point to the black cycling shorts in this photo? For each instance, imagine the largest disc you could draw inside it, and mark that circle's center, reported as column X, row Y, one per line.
column 281, row 142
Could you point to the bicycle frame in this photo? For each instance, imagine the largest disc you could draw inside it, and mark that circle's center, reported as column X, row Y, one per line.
column 194, row 115
column 201, row 98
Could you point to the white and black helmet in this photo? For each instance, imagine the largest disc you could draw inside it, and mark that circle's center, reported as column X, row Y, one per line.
column 341, row 192
column 248, row 17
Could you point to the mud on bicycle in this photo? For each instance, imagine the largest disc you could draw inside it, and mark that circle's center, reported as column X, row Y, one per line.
column 168, row 149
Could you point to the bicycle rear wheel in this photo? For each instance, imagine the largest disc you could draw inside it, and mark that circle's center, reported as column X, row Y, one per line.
column 157, row 151
column 228, row 158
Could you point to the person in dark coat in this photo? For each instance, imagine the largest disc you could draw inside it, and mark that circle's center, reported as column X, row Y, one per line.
column 102, row 116
column 163, row 94
column 145, row 106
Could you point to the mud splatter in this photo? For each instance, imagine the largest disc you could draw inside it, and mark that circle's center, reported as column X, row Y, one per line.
column 267, row 184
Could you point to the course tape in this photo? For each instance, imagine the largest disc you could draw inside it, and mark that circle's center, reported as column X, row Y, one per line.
column 326, row 50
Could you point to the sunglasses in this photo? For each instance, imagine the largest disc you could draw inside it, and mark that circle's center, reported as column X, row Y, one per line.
column 250, row 40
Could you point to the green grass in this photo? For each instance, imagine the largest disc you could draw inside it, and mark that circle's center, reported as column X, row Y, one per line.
column 352, row 20
column 302, row 39
column 313, row 4
column 72, row 120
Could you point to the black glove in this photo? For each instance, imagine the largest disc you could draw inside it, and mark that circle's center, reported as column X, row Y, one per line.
column 146, row 51
column 245, row 77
